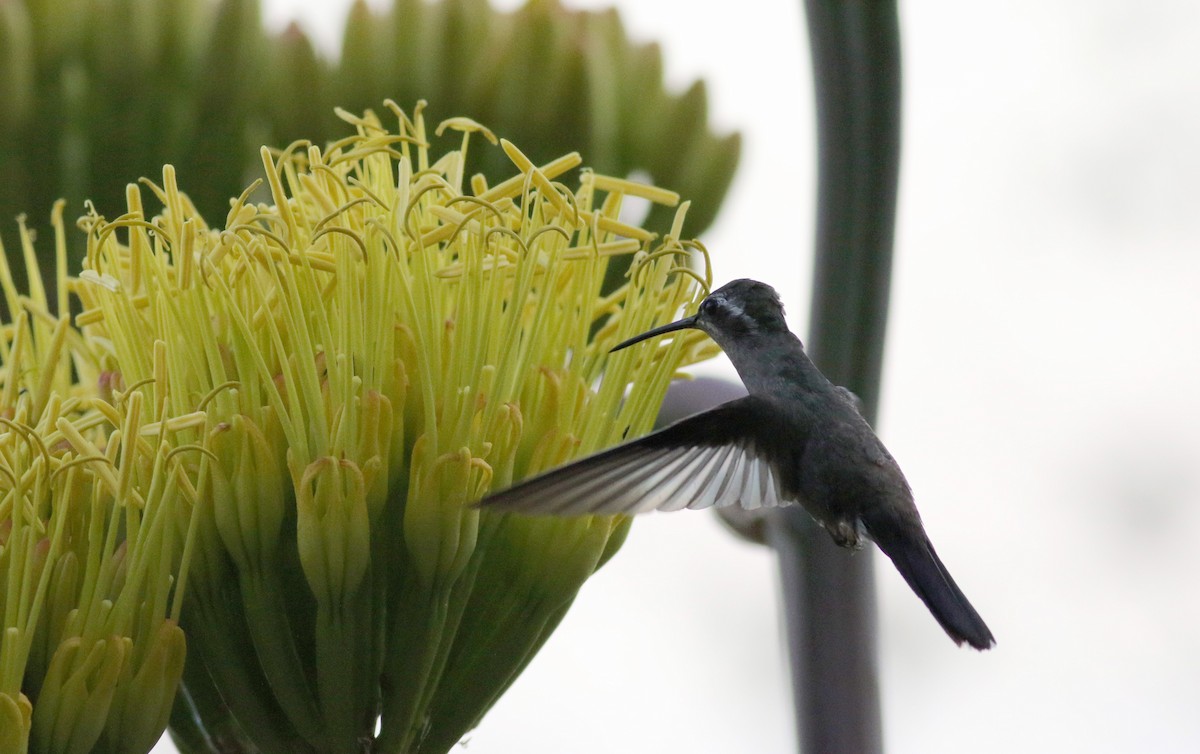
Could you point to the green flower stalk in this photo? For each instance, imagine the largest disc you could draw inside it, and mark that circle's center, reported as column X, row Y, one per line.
column 355, row 363
column 93, row 521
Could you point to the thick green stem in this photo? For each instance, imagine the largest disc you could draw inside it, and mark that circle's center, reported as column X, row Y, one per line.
column 829, row 592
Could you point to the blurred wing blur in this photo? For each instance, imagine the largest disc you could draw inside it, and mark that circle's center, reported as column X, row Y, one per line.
column 707, row 460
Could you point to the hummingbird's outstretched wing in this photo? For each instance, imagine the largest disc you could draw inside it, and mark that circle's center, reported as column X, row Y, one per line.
column 708, row 460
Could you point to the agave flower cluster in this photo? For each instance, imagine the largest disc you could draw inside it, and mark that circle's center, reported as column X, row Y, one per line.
column 267, row 437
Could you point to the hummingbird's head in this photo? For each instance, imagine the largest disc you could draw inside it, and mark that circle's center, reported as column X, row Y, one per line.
column 743, row 307
column 735, row 310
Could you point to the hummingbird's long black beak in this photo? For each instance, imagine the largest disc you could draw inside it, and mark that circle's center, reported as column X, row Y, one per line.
column 683, row 324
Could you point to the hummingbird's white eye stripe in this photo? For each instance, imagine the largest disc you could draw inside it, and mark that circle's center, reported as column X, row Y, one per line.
column 732, row 309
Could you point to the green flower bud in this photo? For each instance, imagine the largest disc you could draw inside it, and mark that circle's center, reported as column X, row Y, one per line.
column 16, row 714
column 248, row 493
column 72, row 708
column 145, row 694
column 332, row 531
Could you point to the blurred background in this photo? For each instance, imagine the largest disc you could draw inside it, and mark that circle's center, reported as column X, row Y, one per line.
column 1039, row 392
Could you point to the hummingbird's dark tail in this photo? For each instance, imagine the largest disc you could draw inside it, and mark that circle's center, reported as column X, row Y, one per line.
column 914, row 556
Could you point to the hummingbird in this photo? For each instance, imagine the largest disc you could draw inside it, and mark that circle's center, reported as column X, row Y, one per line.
column 795, row 439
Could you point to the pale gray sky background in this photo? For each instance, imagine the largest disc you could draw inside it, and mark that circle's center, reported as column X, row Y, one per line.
column 1040, row 393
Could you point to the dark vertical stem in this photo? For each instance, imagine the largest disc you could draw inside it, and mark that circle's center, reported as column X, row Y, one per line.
column 829, row 592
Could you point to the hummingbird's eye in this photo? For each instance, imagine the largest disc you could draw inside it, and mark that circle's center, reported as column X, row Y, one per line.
column 709, row 306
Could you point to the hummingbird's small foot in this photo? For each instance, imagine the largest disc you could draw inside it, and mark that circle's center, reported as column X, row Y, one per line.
column 845, row 534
